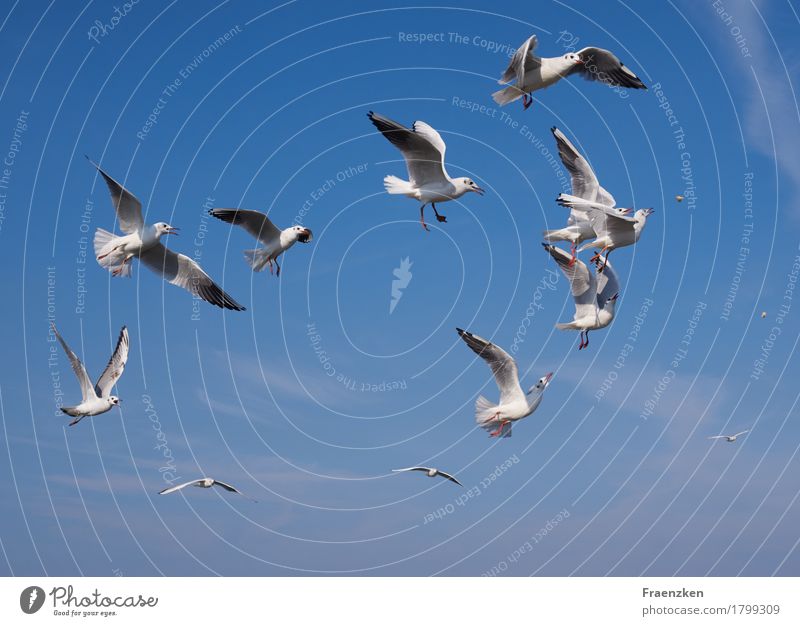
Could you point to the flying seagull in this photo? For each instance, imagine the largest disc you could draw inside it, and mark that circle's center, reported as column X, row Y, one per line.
column 613, row 231
column 595, row 297
column 114, row 252
column 275, row 240
column 423, row 149
column 95, row 399
column 497, row 419
column 584, row 186
column 431, row 471
column 205, row 483
column 730, row 438
column 532, row 73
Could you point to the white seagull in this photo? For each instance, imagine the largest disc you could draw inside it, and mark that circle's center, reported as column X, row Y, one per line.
column 585, row 186
column 95, row 399
column 423, row 150
column 613, row 231
column 431, row 471
column 595, row 296
column 532, row 73
column 114, row 252
column 730, row 438
column 204, row 483
column 515, row 404
column 275, row 240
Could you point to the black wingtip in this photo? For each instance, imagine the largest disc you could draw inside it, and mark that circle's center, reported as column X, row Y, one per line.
column 461, row 331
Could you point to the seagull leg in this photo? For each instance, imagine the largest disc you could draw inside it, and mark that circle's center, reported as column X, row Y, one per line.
column 278, row 272
column 573, row 249
column 605, row 261
column 586, row 345
column 527, row 100
column 496, row 433
column 440, row 218
column 103, row 256
column 580, row 345
column 422, row 218
column 269, row 264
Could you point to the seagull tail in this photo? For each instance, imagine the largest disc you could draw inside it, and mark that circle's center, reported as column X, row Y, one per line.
column 566, row 326
column 554, row 235
column 509, row 94
column 256, row 259
column 101, row 240
column 485, row 410
column 395, row 185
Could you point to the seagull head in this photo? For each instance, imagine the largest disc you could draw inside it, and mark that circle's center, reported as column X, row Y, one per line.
column 644, row 213
column 611, row 302
column 162, row 228
column 303, row 235
column 623, row 211
column 114, row 400
column 467, row 184
column 541, row 384
column 573, row 58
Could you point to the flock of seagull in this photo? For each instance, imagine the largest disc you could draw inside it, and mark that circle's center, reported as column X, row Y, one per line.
column 594, row 221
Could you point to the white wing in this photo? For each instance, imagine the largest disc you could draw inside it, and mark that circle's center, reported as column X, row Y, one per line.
column 607, row 282
column 115, row 367
column 581, row 281
column 180, row 270
column 254, row 222
column 602, row 65
column 422, row 148
column 741, row 433
column 719, row 437
column 87, row 389
column 522, row 61
column 503, row 366
column 127, row 206
column 164, row 492
column 584, row 181
column 413, row 469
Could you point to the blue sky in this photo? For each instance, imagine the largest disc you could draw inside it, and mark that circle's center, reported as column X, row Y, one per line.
column 308, row 399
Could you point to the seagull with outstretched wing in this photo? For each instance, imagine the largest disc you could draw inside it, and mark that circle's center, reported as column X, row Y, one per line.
column 204, row 483
column 95, row 399
column 431, row 472
column 142, row 241
column 423, row 150
column 515, row 404
column 531, row 73
column 730, row 438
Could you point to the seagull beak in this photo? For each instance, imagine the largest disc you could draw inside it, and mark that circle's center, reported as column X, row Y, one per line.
column 172, row 230
column 478, row 190
column 626, row 211
column 305, row 236
column 580, row 61
column 548, row 377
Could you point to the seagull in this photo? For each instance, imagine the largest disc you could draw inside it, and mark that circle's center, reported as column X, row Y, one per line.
column 275, row 240
column 114, row 252
column 431, row 471
column 95, row 399
column 205, row 483
column 532, row 73
column 423, row 149
column 613, row 231
column 585, row 186
column 730, row 438
column 595, row 297
column 497, row 419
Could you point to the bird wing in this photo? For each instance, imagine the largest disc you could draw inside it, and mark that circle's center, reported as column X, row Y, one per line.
column 87, row 389
column 232, row 489
column 581, row 281
column 127, row 206
column 115, row 367
column 503, row 366
column 719, row 437
column 522, row 61
column 412, row 469
column 584, row 181
column 602, row 65
column 741, row 433
column 607, row 281
column 607, row 223
column 164, row 492
column 422, row 148
column 180, row 270
column 450, row 477
column 254, row 222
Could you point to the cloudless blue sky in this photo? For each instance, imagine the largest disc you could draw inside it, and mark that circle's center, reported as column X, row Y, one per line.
column 309, row 398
